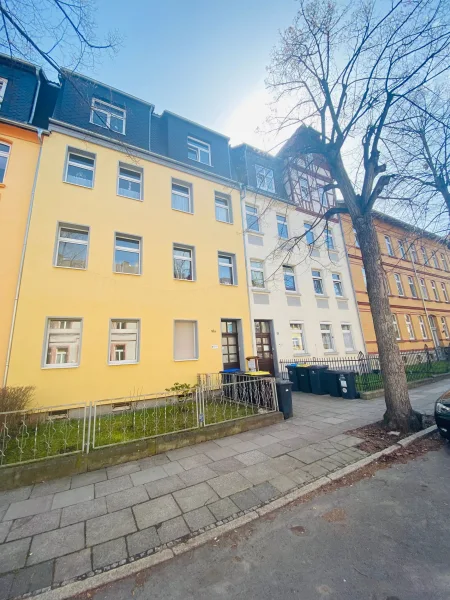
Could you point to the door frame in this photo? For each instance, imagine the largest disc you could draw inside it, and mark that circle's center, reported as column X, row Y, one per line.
column 242, row 361
column 272, row 340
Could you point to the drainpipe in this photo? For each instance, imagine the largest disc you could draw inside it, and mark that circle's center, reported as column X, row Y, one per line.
column 243, row 193
column 22, row 260
column 38, row 87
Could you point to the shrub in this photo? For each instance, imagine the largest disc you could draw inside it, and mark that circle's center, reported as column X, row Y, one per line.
column 14, row 398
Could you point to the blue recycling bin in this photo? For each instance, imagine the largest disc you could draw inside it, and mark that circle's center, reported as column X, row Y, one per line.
column 292, row 374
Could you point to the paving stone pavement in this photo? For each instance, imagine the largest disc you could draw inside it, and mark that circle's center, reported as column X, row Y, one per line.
column 60, row 530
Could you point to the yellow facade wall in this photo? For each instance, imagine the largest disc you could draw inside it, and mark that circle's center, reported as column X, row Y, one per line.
column 407, row 304
column 15, row 194
column 97, row 294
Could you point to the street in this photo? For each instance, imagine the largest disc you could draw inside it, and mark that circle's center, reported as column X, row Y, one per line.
column 384, row 538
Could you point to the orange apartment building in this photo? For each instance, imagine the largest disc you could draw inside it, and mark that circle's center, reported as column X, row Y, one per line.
column 417, row 267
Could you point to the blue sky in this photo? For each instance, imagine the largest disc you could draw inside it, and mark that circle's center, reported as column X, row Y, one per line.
column 202, row 59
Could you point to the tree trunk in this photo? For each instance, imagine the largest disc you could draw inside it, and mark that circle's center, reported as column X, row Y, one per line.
column 399, row 414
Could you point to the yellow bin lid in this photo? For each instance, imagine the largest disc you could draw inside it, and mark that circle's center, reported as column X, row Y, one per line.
column 257, row 373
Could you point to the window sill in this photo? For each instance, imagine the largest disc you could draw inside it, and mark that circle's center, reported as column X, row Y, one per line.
column 292, row 293
column 122, row 362
column 260, row 291
column 130, row 198
column 85, row 187
column 351, row 351
column 185, row 212
column 70, row 268
column 343, row 298
column 224, row 222
column 322, row 296
column 133, row 274
column 51, row 367
column 230, row 285
column 185, row 359
column 328, row 352
column 257, row 233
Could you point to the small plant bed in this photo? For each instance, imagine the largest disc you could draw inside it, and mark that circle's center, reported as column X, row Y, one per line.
column 368, row 382
column 376, row 437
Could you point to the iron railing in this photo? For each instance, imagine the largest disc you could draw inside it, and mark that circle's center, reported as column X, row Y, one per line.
column 419, row 364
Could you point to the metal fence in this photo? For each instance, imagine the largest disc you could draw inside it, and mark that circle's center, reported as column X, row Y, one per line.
column 39, row 433
column 419, row 364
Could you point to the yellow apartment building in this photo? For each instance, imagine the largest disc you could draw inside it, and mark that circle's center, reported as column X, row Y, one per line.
column 417, row 268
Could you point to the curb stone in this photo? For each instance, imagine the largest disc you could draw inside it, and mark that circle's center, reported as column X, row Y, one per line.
column 166, row 552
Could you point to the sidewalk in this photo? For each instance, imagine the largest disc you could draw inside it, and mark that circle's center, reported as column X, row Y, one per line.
column 63, row 529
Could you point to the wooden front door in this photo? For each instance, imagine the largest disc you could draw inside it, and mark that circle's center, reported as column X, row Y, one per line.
column 264, row 348
column 230, row 345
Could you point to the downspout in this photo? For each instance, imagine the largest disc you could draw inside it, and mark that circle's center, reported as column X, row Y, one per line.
column 243, row 193
column 38, row 87
column 22, row 260
column 423, row 299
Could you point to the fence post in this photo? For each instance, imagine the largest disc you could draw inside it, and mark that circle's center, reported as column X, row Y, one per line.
column 274, row 394
column 89, row 428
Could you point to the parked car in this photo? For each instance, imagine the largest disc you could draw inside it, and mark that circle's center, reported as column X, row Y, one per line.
column 442, row 416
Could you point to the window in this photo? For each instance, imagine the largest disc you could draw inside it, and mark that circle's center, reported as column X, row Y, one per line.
column 399, row 284
column 80, row 169
column 226, row 269
column 327, row 337
column 182, row 197
column 251, row 217
column 289, row 279
column 129, row 182
column 401, row 247
column 108, row 116
column 183, row 263
column 386, row 284
column 304, row 189
column 4, row 157
column 63, row 343
column 363, row 271
column 444, row 291
column 423, row 327
column 356, row 238
column 424, row 255
column 223, row 208
column 413, row 252
column 309, row 235
column 127, row 254
column 72, row 246
column 436, row 261
column 257, row 273
column 329, row 241
column 199, row 151
column 444, row 262
column 396, row 328
column 318, row 283
column 409, row 327
column 348, row 337
column 264, row 179
column 423, row 289
column 185, row 340
column 282, row 227
column 123, row 341
column 389, row 247
column 3, row 84
column 298, row 337
column 337, row 284
column 435, row 291
column 412, row 287
column 444, row 328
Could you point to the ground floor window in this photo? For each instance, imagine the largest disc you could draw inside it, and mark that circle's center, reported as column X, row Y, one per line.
column 327, row 337
column 63, row 343
column 298, row 337
column 123, row 341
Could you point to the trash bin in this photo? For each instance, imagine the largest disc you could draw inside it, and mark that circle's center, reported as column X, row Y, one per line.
column 304, row 384
column 250, row 390
column 293, row 376
column 347, row 382
column 284, row 394
column 333, row 383
column 229, row 377
column 317, row 379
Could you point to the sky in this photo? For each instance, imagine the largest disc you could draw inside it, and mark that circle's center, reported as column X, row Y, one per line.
column 204, row 60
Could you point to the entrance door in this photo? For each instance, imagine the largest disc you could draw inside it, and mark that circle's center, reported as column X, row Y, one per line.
column 434, row 332
column 264, row 346
column 230, row 345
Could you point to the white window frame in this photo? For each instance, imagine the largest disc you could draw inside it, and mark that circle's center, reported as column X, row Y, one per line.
column 3, row 84
column 267, row 178
column 189, row 196
column 412, row 286
column 88, row 155
column 423, row 288
column 136, row 170
column 444, row 328
column 423, row 327
column 330, row 331
column 7, row 155
column 290, row 274
column 138, row 341
column 413, row 253
column 410, row 327
column 424, row 255
column 223, row 198
column 389, row 246
column 309, row 230
column 284, row 225
column 134, row 238
column 108, row 114
column 44, row 364
column 444, row 291
column 259, row 270
column 356, row 239
column 329, row 237
column 253, row 214
column 196, row 345
column 300, row 334
column 398, row 333
column 59, row 239
column 444, row 262
column 191, row 259
column 195, row 145
column 350, row 332
column 363, row 271
column 318, row 277
column 435, row 290
column 337, row 279
column 435, row 260
column 231, row 266
column 403, row 252
column 399, row 284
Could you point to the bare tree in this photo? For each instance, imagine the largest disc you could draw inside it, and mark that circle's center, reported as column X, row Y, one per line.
column 343, row 72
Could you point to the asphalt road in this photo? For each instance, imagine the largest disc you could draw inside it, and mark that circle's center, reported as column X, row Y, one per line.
column 385, row 538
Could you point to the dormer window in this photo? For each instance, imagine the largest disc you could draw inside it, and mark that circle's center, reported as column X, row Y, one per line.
column 264, row 179
column 108, row 116
column 199, row 151
column 3, row 84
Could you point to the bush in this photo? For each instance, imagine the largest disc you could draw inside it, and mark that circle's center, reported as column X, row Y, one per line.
column 15, row 398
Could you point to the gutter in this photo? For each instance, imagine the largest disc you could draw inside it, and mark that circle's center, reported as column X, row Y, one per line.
column 22, row 261
column 36, row 94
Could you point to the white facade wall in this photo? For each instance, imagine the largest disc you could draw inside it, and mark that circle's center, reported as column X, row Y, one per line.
column 282, row 307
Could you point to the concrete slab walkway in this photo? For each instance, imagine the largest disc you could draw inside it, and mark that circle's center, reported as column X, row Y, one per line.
column 60, row 530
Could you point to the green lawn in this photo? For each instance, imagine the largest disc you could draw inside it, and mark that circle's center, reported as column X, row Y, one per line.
column 45, row 438
column 374, row 381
